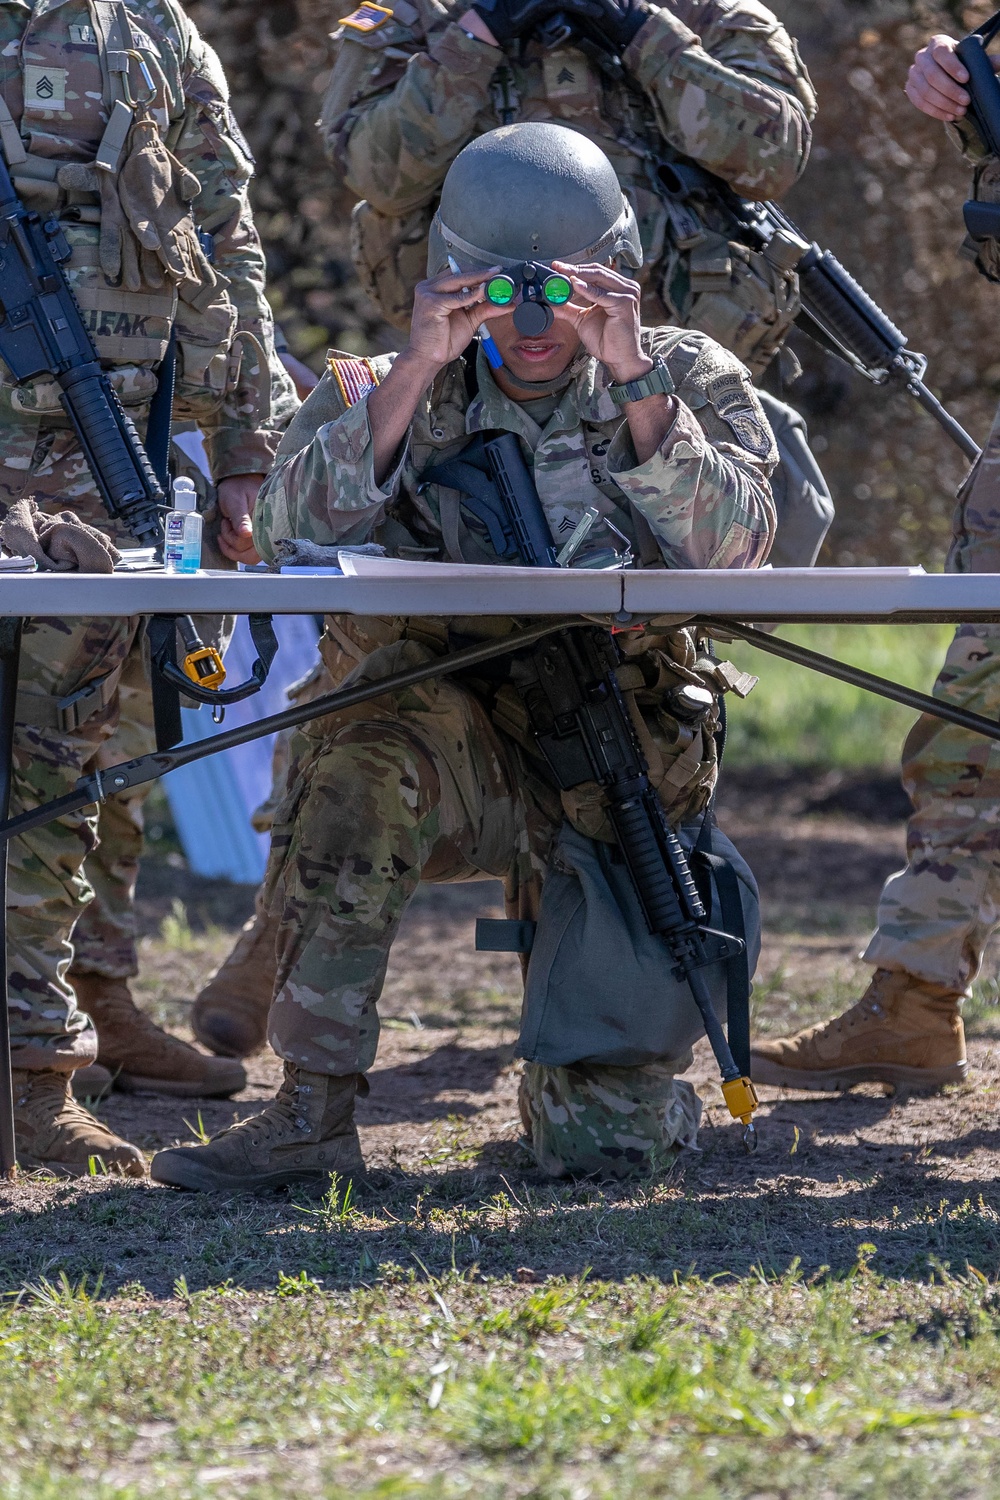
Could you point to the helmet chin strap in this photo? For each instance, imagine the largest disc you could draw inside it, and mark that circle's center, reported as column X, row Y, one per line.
column 539, row 387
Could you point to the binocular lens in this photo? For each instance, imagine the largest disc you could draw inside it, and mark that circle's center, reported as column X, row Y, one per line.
column 557, row 290
column 501, row 291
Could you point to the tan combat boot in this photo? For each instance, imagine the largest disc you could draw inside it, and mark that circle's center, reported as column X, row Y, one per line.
column 92, row 1082
column 52, row 1131
column 903, row 1030
column 230, row 1014
column 141, row 1056
column 303, row 1135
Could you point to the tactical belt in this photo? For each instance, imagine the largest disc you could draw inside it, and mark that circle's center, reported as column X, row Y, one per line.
column 46, row 711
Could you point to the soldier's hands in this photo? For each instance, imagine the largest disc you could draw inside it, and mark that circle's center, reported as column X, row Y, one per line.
column 236, row 496
column 934, row 82
column 507, row 20
column 447, row 310
column 615, row 21
column 605, row 313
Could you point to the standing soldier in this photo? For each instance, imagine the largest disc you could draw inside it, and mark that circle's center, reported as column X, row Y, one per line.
column 936, row 914
column 114, row 118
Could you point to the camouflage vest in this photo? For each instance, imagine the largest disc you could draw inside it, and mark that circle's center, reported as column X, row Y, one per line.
column 680, row 750
column 77, row 62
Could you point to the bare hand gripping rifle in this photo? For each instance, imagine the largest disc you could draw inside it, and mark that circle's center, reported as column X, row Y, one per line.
column 837, row 312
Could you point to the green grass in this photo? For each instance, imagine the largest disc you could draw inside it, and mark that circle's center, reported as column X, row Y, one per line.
column 445, row 1387
column 796, row 717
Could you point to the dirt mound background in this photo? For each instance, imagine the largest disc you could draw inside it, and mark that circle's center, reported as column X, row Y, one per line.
column 884, row 190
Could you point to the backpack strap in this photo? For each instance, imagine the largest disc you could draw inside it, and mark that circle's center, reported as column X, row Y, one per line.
column 115, row 42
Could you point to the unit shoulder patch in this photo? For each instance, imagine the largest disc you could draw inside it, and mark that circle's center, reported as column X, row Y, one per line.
column 750, row 431
column 354, row 377
column 368, row 17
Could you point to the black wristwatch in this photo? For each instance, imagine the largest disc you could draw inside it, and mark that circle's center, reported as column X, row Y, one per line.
column 656, row 382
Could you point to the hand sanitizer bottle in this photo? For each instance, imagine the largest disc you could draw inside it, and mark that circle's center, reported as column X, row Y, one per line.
column 182, row 531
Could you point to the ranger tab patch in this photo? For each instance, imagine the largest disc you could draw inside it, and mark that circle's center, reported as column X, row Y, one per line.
column 367, row 17
column 354, row 377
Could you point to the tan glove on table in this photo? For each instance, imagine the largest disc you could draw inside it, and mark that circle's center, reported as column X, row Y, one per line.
column 59, row 544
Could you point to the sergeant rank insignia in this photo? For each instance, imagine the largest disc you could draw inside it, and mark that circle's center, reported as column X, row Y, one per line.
column 367, row 17
column 354, row 377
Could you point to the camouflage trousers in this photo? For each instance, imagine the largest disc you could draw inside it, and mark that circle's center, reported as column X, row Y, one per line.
column 936, row 914
column 422, row 786
column 48, row 887
column 105, row 936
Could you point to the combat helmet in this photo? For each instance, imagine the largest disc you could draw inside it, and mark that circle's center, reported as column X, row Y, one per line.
column 530, row 192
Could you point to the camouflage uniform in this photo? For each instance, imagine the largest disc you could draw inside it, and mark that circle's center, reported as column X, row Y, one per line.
column 708, row 80
column 719, row 83
column 54, row 79
column 443, row 782
column 935, row 915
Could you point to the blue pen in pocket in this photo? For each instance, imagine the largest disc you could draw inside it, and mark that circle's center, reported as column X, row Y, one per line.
column 493, row 355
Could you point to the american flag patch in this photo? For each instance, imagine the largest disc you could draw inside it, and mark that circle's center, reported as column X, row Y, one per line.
column 367, row 17
column 354, row 377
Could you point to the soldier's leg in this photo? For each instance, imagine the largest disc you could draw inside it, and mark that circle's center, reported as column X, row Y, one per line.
column 416, row 788
column 51, row 1036
column 48, row 888
column 140, row 1056
column 935, row 915
column 609, row 1122
column 230, row 1013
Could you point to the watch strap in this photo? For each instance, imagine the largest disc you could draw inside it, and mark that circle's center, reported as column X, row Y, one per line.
column 656, row 382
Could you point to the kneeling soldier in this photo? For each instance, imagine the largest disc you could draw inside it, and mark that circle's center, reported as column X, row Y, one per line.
column 445, row 781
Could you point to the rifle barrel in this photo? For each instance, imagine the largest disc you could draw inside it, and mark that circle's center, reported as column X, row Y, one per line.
column 941, row 414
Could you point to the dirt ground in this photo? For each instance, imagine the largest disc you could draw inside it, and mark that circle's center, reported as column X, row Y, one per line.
column 829, row 1171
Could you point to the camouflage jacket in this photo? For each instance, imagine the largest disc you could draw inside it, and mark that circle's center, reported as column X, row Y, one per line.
column 702, row 500
column 704, row 496
column 53, row 79
column 716, row 81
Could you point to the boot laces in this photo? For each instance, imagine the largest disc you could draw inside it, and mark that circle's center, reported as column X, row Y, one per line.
column 281, row 1115
column 46, row 1100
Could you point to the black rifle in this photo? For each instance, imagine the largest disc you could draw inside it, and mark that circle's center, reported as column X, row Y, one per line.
column 982, row 220
column 42, row 332
column 836, row 311
column 584, row 730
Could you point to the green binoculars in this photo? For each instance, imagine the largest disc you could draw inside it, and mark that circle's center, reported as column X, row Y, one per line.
column 538, row 282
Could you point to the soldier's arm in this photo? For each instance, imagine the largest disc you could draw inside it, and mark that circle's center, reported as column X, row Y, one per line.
column 242, row 429
column 394, row 124
column 705, row 491
column 322, row 485
column 729, row 90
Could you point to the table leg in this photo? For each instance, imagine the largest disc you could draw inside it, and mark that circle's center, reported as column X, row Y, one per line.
column 10, row 651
